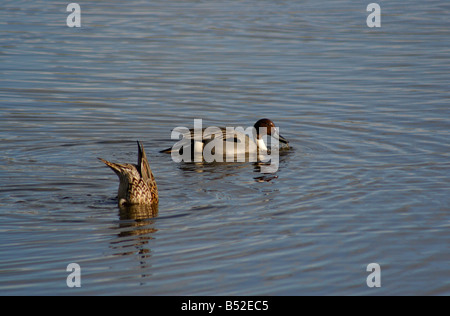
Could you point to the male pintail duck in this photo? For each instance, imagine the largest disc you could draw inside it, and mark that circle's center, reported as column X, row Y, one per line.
column 252, row 145
column 137, row 184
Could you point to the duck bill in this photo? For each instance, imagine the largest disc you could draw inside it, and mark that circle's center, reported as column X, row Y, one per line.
column 283, row 140
column 280, row 138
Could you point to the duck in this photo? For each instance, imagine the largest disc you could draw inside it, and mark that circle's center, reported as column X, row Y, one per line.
column 252, row 145
column 137, row 185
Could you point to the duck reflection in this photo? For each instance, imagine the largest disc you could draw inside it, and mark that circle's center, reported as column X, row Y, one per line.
column 268, row 170
column 138, row 212
column 135, row 229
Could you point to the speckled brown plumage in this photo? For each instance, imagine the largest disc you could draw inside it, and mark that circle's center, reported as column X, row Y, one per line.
column 137, row 184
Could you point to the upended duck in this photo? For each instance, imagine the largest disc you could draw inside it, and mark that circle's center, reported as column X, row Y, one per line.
column 137, row 184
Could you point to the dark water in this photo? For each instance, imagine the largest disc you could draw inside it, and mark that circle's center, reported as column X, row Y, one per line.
column 366, row 112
